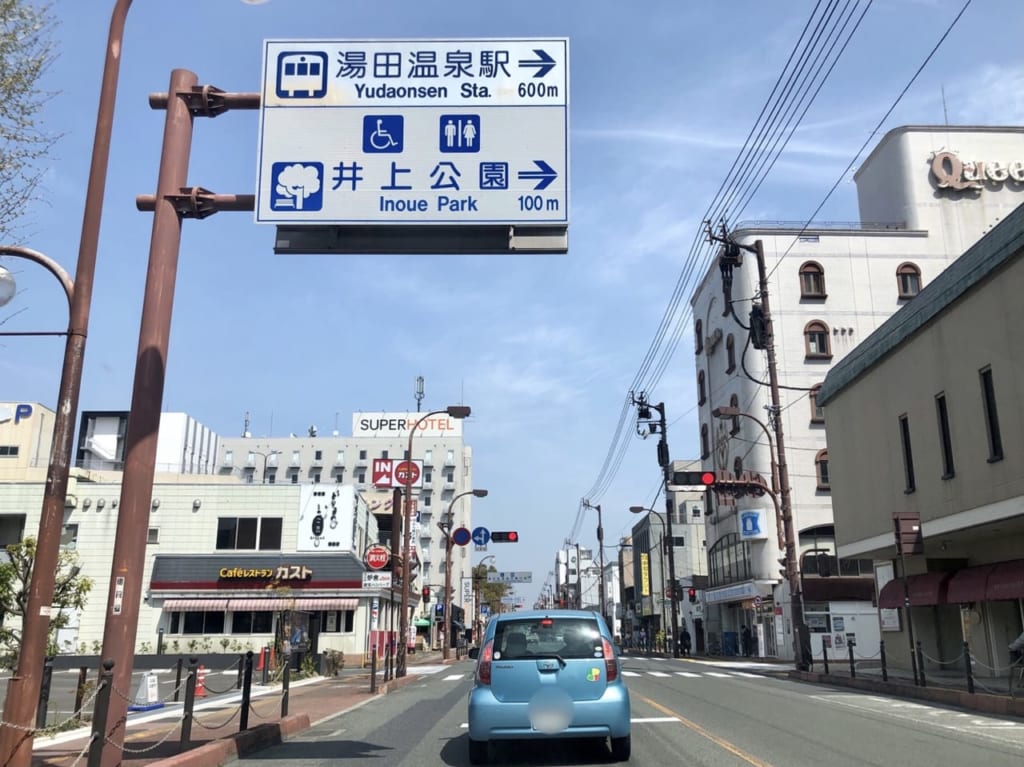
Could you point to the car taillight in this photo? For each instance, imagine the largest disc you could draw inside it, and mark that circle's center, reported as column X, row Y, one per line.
column 611, row 663
column 483, row 668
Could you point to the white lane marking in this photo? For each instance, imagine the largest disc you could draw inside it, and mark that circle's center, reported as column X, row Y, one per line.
column 631, row 673
column 658, row 673
column 452, row 677
column 423, row 670
column 689, row 674
column 749, row 676
column 635, row 720
column 718, row 674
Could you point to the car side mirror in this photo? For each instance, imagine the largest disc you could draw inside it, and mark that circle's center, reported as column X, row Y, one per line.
column 474, row 653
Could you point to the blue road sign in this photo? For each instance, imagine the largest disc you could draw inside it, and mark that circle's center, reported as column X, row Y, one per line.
column 543, row 63
column 461, row 536
column 298, row 186
column 544, row 176
column 481, row 535
column 301, row 75
column 459, row 133
column 383, row 134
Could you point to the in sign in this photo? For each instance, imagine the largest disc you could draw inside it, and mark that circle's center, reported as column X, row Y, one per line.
column 377, row 557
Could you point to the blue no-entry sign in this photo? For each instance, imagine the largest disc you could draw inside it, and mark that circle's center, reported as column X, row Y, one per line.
column 461, row 536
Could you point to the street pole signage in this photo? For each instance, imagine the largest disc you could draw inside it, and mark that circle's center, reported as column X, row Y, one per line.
column 512, row 576
column 376, row 580
column 356, row 132
column 481, row 535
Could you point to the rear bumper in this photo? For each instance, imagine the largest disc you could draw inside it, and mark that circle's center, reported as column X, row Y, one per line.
column 490, row 719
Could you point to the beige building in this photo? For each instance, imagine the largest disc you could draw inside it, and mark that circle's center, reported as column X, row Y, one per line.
column 925, row 418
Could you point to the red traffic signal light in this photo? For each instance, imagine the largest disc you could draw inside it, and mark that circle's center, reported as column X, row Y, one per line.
column 693, row 478
column 426, row 594
column 506, row 536
column 692, row 594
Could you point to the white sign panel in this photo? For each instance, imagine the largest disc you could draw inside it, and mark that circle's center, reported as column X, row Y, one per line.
column 414, row 132
column 326, row 517
column 399, row 424
column 512, row 576
column 752, row 524
column 376, row 579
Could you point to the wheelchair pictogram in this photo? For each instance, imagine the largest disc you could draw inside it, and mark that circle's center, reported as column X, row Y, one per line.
column 383, row 134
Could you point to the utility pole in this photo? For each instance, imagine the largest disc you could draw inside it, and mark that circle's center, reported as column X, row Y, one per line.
column 600, row 557
column 661, row 427
column 763, row 337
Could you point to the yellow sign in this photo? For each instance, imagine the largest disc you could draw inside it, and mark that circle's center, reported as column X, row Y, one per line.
column 645, row 574
column 281, row 573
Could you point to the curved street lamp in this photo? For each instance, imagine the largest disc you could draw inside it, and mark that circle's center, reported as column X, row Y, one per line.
column 661, row 557
column 266, row 457
column 452, row 411
column 446, row 528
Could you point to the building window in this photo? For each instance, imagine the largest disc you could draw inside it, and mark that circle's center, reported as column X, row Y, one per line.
column 361, row 477
column 8, row 451
column 737, row 465
column 730, row 352
column 816, row 343
column 362, row 455
column 702, row 396
column 812, row 280
column 908, row 278
column 153, row 535
column 69, row 537
column 942, row 413
column 249, row 533
column 251, row 622
column 428, row 476
column 908, row 455
column 271, row 477
column 734, row 401
column 817, row 412
column 295, row 477
column 316, row 478
column 384, row 454
column 698, row 333
column 704, row 451
column 318, row 455
column 821, row 469
column 426, row 499
column 339, row 459
column 428, row 457
column 338, row 621
column 449, row 476
column 988, row 394
column 197, row 623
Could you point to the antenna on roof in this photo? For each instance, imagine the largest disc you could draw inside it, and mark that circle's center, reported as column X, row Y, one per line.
column 245, row 425
column 419, row 392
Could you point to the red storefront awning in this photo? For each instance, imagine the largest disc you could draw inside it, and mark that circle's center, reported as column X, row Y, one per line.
column 1006, row 581
column 924, row 589
column 305, row 604
column 969, row 585
column 195, row 605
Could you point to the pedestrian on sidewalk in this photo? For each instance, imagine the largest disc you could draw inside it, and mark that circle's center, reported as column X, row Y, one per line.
column 684, row 642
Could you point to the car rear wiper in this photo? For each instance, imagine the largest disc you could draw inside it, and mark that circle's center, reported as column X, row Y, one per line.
column 549, row 655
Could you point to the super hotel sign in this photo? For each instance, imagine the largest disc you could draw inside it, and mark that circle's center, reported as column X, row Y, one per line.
column 356, row 132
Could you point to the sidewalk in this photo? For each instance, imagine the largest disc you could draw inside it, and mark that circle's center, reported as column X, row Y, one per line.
column 153, row 738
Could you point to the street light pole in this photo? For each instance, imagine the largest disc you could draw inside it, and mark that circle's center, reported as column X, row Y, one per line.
column 452, row 411
column 600, row 557
column 24, row 686
column 446, row 529
column 661, row 555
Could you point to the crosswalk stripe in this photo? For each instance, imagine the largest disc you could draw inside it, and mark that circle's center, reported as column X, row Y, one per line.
column 718, row 674
column 658, row 673
column 631, row 673
column 453, row 677
column 688, row 674
column 750, row 676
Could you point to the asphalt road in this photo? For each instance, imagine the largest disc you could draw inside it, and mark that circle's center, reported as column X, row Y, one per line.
column 684, row 712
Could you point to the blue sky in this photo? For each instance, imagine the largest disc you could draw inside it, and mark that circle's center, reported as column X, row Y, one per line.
column 544, row 348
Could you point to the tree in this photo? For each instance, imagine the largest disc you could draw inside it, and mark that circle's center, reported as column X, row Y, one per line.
column 70, row 592
column 26, row 52
column 490, row 593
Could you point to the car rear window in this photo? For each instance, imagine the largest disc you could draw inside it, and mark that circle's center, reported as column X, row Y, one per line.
column 566, row 637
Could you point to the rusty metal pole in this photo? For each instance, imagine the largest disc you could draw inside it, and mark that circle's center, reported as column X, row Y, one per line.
column 128, row 561
column 23, row 687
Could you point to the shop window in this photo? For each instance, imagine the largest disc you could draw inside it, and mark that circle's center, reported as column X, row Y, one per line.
column 338, row 621
column 908, row 280
column 197, row 623
column 812, row 280
column 252, row 622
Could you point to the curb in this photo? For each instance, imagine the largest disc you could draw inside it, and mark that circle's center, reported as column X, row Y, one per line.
column 983, row 702
column 241, row 744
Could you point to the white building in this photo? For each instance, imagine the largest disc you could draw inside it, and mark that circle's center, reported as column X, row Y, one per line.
column 926, row 194
column 231, row 559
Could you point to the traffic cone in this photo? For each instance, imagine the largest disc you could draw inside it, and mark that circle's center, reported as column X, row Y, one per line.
column 259, row 663
column 201, row 682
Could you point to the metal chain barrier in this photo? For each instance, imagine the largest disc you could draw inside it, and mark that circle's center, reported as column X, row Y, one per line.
column 85, row 750
column 941, row 662
column 218, row 692
column 125, row 749
column 866, row 657
column 57, row 727
column 195, row 718
column 273, row 699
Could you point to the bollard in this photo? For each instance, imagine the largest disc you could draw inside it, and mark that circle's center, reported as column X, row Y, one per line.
column 243, row 723
column 824, row 657
column 190, row 702
column 387, row 662
column 853, row 666
column 284, row 684
column 967, row 668
column 265, row 678
column 99, row 714
column 177, row 678
column 920, row 665
column 241, row 670
column 881, row 653
column 83, row 677
column 44, row 692
column 373, row 668
column 160, row 641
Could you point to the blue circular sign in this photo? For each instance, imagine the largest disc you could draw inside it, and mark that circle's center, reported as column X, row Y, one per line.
column 481, row 535
column 461, row 536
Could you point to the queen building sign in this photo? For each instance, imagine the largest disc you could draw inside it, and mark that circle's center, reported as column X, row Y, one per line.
column 360, row 137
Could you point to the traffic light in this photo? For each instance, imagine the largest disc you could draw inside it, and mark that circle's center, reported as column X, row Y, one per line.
column 426, row 594
column 692, row 594
column 507, row 536
column 693, row 478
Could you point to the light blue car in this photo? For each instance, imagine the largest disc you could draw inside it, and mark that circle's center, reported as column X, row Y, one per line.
column 548, row 674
